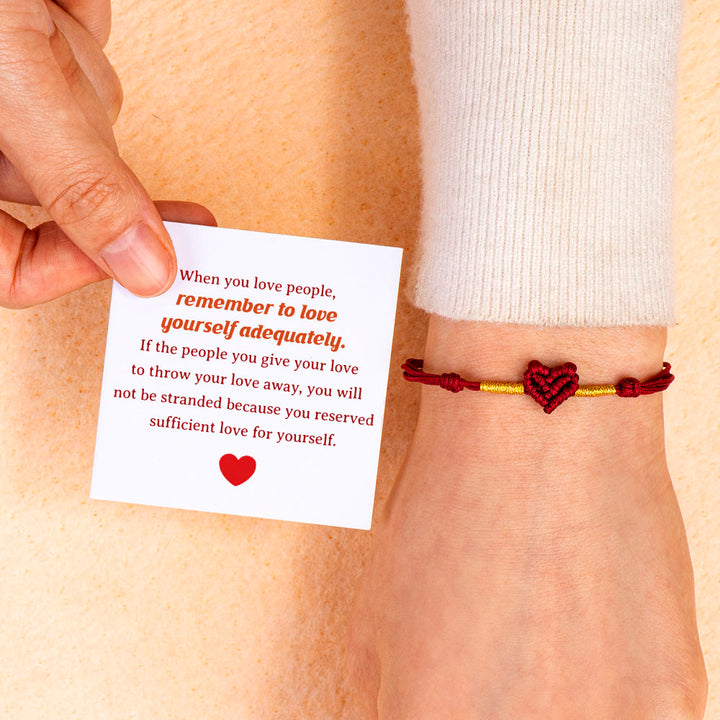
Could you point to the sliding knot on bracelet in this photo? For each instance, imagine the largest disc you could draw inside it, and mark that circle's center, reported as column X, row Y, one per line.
column 632, row 387
column 629, row 387
column 452, row 382
column 549, row 387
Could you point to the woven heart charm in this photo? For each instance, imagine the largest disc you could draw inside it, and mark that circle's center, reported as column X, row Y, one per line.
column 550, row 387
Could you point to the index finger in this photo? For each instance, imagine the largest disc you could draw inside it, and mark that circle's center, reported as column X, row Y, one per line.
column 84, row 185
column 93, row 14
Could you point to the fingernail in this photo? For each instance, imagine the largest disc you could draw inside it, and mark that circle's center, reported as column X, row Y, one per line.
column 139, row 261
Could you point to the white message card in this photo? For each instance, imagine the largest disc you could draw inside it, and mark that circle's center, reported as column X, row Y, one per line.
column 256, row 384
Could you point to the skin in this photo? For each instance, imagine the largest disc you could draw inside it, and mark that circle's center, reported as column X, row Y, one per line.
column 526, row 566
column 58, row 100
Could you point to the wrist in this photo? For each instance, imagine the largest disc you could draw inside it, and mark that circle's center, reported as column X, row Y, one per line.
column 626, row 429
column 502, row 351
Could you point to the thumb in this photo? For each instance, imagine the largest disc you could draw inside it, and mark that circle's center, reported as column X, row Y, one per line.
column 86, row 188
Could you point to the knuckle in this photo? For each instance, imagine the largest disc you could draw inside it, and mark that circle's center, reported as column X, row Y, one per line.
column 85, row 197
column 24, row 31
column 30, row 15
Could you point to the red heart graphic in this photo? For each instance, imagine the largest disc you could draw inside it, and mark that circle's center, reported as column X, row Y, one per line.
column 237, row 470
column 550, row 386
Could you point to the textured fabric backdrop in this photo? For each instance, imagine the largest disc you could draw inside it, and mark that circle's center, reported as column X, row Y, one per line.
column 299, row 118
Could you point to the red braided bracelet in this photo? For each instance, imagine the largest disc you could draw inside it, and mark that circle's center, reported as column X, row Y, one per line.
column 549, row 387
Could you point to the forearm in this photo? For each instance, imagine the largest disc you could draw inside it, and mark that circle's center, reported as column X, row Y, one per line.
column 541, row 556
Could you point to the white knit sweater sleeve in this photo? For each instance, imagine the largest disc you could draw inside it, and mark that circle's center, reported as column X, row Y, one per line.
column 548, row 138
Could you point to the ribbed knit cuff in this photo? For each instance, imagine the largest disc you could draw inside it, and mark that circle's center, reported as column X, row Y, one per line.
column 548, row 142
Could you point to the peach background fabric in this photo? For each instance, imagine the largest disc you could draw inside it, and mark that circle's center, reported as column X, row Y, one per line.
column 298, row 118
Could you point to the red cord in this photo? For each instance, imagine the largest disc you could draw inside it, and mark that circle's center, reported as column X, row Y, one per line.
column 413, row 371
column 544, row 384
column 632, row 387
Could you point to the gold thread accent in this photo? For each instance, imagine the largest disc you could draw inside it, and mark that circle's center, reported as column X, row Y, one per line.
column 595, row 390
column 516, row 388
column 504, row 388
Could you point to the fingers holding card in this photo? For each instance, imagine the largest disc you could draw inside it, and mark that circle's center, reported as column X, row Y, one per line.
column 254, row 386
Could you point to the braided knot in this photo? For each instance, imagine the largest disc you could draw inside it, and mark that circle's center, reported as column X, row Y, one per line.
column 629, row 387
column 452, row 382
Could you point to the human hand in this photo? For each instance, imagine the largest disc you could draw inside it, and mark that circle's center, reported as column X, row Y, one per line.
column 58, row 99
column 529, row 565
